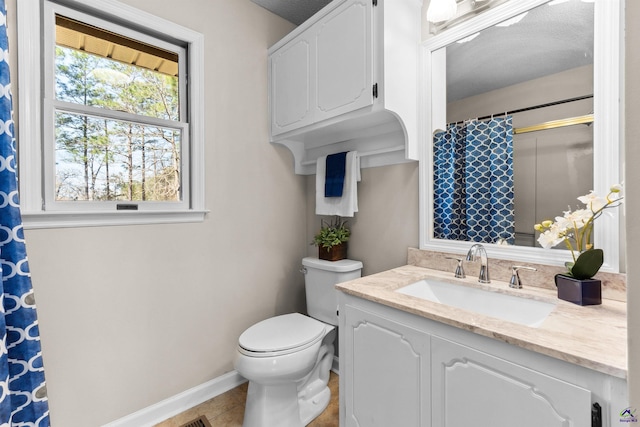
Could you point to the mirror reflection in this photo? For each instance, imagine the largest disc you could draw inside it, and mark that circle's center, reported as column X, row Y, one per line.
column 516, row 146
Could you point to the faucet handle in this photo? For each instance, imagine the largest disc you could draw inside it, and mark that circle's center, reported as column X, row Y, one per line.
column 515, row 276
column 459, row 273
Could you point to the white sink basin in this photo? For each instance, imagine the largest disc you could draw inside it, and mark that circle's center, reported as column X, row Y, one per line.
column 524, row 311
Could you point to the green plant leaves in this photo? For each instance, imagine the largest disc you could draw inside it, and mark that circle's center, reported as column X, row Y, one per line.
column 332, row 234
column 587, row 264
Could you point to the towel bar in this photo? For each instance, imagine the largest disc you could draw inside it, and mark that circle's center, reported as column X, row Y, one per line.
column 365, row 153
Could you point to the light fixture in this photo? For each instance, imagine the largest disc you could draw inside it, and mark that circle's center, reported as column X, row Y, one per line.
column 441, row 10
column 443, row 14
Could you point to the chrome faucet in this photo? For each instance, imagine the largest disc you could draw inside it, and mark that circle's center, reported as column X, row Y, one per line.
column 476, row 251
column 515, row 281
column 459, row 273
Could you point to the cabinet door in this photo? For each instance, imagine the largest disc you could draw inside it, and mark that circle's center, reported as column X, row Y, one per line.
column 472, row 388
column 291, row 85
column 386, row 369
column 344, row 59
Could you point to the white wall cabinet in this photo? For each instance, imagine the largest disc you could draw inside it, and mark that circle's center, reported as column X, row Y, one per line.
column 325, row 71
column 401, row 369
column 344, row 53
column 346, row 79
column 291, row 85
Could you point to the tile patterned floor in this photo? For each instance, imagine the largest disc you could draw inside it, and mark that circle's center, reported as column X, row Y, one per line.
column 227, row 410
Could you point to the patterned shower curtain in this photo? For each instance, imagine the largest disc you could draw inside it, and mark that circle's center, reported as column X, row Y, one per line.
column 23, row 399
column 473, row 182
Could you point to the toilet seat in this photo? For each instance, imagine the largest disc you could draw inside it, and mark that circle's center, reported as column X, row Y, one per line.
column 280, row 335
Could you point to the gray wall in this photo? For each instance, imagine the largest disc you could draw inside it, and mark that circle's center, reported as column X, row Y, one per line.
column 632, row 203
column 387, row 221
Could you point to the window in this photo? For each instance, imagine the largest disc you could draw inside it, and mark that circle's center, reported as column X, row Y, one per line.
column 121, row 138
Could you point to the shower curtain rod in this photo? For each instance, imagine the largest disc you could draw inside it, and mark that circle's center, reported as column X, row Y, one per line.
column 536, row 107
column 588, row 118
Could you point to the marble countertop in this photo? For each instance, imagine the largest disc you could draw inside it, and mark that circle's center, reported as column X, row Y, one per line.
column 591, row 336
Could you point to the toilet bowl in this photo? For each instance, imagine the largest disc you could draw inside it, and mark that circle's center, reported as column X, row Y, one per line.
column 288, row 378
column 287, row 358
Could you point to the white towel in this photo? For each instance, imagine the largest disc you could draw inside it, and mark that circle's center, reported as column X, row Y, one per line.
column 346, row 205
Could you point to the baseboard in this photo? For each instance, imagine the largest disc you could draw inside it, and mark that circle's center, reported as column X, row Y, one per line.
column 186, row 400
column 181, row 402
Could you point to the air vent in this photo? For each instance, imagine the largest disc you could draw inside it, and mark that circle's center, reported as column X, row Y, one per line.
column 198, row 422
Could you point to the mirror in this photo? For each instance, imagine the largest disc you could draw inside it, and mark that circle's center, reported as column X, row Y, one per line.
column 534, row 68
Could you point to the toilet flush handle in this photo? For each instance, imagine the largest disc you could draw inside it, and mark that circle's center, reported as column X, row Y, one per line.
column 303, row 270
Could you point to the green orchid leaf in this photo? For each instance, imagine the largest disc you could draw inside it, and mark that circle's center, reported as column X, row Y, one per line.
column 587, row 264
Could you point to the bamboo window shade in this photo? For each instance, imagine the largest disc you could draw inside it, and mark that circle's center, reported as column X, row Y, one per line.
column 80, row 36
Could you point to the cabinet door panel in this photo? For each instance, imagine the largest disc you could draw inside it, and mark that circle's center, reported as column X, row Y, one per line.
column 291, row 87
column 387, row 372
column 472, row 388
column 344, row 59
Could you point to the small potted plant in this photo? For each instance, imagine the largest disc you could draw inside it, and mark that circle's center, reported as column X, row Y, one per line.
column 575, row 230
column 332, row 239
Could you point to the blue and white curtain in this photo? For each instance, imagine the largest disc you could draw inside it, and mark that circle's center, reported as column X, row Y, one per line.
column 23, row 397
column 473, row 182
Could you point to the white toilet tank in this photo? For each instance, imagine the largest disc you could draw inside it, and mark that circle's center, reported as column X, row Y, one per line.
column 320, row 278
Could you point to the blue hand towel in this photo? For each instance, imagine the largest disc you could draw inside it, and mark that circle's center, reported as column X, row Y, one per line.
column 334, row 175
column 347, row 205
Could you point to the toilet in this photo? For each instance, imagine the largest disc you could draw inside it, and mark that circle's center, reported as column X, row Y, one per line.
column 287, row 358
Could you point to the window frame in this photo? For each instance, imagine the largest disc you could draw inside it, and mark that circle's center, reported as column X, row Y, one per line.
column 36, row 77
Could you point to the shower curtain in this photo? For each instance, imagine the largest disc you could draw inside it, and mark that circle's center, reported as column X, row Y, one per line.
column 23, row 399
column 473, row 182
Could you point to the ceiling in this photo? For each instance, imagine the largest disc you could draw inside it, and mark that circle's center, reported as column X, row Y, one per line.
column 295, row 11
column 549, row 39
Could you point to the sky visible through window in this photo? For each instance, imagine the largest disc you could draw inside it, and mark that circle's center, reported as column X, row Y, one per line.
column 101, row 158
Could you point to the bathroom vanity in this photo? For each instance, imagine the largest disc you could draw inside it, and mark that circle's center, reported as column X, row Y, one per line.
column 406, row 360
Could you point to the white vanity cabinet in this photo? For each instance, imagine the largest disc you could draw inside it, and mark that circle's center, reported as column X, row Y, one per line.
column 397, row 368
column 346, row 79
column 386, row 368
column 325, row 71
column 470, row 387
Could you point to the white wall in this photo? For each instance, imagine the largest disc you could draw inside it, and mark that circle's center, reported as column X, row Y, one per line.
column 130, row 316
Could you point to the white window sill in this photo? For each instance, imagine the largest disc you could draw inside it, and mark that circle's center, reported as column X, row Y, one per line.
column 39, row 220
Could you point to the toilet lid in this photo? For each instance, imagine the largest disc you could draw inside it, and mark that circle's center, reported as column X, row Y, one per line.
column 281, row 333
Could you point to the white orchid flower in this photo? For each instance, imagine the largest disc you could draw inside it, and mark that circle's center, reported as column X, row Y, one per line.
column 593, row 202
column 578, row 218
column 575, row 228
column 549, row 239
